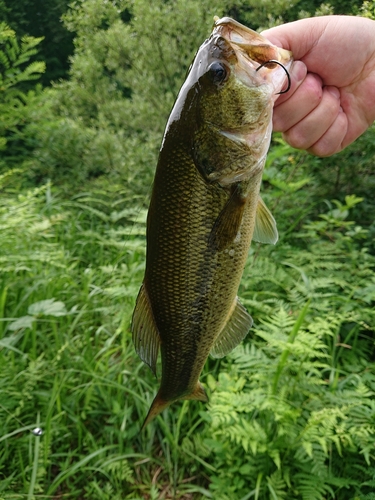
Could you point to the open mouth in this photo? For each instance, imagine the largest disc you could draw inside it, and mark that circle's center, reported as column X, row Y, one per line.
column 269, row 64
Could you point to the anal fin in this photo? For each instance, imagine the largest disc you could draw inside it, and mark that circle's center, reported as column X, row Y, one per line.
column 234, row 331
column 146, row 337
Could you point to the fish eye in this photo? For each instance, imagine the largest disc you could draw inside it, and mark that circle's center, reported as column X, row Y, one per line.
column 218, row 73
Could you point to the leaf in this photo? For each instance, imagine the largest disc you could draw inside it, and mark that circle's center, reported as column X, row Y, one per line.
column 22, row 322
column 48, row 307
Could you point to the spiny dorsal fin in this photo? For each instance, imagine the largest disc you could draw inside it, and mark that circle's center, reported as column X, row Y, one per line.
column 265, row 230
column 146, row 336
column 234, row 331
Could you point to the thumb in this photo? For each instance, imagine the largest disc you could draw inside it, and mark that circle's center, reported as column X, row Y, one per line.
column 299, row 36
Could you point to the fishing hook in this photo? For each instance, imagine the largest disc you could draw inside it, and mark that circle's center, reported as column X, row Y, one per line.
column 273, row 61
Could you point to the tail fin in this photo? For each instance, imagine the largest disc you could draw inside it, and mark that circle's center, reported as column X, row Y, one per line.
column 198, row 393
column 159, row 404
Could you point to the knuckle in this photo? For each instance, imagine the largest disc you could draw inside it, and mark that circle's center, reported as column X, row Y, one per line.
column 322, row 149
column 297, row 138
column 313, row 89
column 331, row 103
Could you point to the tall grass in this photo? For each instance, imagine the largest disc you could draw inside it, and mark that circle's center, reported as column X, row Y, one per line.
column 69, row 276
column 297, row 397
column 291, row 411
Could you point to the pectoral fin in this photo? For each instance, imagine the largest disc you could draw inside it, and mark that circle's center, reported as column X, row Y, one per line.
column 146, row 336
column 234, row 332
column 265, row 230
column 228, row 222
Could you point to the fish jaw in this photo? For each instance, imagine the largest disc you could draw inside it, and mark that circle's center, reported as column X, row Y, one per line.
column 253, row 49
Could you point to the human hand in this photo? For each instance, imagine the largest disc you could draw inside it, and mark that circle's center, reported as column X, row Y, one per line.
column 331, row 101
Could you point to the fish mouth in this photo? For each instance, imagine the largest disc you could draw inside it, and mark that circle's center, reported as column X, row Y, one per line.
column 258, row 60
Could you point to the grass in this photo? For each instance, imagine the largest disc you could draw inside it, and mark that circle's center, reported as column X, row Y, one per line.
column 70, row 273
column 71, row 366
column 70, row 269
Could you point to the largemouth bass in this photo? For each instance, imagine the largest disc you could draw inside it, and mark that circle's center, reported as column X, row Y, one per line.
column 205, row 209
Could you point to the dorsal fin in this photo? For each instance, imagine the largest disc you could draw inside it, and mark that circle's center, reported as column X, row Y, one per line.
column 146, row 337
column 234, row 331
column 265, row 230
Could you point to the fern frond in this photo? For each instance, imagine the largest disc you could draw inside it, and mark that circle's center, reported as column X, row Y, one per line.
column 311, row 489
column 276, row 486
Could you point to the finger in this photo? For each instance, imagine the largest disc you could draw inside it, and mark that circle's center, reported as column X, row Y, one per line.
column 304, row 100
column 313, row 126
column 298, row 36
column 333, row 140
column 297, row 74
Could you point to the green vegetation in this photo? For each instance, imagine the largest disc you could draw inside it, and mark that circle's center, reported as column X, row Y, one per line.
column 15, row 69
column 41, row 18
column 292, row 410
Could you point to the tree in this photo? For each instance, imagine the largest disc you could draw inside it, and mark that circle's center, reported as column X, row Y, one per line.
column 15, row 70
column 42, row 18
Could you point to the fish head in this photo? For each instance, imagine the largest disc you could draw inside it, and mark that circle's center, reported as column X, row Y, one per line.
column 258, row 62
column 228, row 98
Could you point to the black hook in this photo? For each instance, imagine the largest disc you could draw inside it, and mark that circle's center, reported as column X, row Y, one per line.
column 273, row 61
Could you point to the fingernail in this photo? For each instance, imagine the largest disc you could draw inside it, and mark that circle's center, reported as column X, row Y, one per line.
column 299, row 71
column 334, row 91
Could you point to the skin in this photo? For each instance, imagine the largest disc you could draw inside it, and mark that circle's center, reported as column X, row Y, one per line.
column 332, row 98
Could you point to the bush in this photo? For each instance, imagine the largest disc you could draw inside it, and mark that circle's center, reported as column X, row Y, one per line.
column 15, row 102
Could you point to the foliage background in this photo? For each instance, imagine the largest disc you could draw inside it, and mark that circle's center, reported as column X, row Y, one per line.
column 292, row 411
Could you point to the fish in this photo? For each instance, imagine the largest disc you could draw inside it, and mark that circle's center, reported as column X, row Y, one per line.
column 205, row 209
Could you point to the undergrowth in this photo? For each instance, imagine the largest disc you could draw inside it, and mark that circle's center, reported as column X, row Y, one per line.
column 291, row 411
